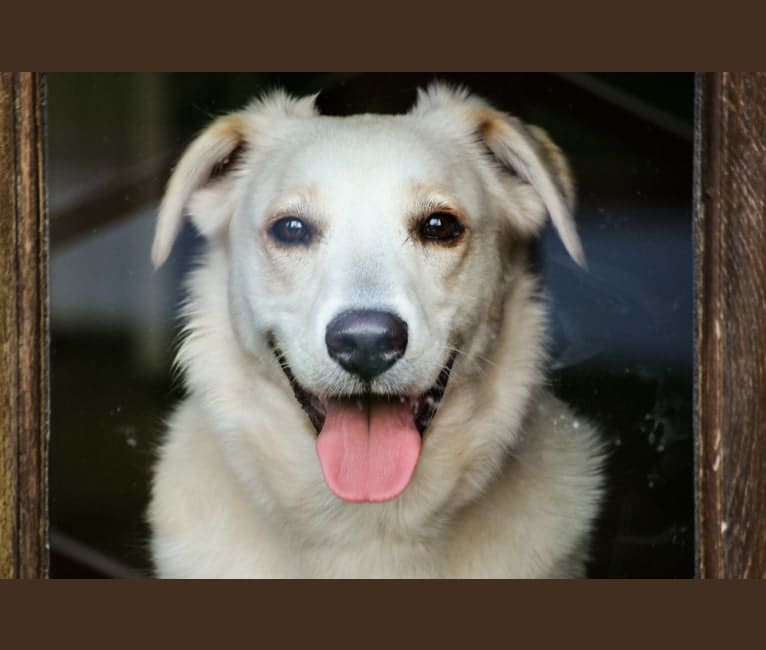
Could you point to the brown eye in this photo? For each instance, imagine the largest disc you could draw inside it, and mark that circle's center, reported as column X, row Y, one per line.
column 440, row 227
column 291, row 231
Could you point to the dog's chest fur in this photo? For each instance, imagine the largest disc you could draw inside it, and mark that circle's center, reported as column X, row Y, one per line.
column 532, row 521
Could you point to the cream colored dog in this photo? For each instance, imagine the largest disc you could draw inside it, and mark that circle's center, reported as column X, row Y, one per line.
column 364, row 351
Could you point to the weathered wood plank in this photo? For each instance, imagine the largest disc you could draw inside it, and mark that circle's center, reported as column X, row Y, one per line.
column 731, row 325
column 23, row 330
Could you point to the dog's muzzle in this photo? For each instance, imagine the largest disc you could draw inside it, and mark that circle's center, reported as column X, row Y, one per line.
column 368, row 444
column 423, row 406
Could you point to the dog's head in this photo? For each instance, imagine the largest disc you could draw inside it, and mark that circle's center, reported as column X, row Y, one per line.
column 370, row 254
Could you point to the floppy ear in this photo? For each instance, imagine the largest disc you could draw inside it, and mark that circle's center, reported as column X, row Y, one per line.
column 206, row 159
column 527, row 151
column 202, row 184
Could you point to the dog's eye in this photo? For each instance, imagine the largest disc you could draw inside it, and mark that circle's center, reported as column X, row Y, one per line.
column 291, row 230
column 440, row 227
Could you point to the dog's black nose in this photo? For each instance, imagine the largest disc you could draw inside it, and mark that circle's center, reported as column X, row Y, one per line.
column 366, row 342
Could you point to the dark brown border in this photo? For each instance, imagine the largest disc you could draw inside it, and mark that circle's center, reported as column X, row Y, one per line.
column 271, row 36
column 390, row 614
column 23, row 329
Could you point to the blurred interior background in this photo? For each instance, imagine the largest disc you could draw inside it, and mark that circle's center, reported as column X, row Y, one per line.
column 621, row 331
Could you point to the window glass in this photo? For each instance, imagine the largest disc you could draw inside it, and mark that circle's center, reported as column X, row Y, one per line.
column 621, row 331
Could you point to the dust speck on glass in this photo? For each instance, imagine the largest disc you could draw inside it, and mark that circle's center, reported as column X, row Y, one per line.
column 620, row 330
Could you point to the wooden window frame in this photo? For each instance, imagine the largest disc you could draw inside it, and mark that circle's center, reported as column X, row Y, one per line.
column 24, row 386
column 730, row 326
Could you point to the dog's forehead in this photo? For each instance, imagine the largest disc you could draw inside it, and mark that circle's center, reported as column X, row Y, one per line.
column 369, row 144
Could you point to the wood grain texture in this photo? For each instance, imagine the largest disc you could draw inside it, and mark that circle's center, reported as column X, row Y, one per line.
column 731, row 325
column 23, row 330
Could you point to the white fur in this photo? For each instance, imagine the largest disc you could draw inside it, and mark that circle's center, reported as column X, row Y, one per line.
column 508, row 482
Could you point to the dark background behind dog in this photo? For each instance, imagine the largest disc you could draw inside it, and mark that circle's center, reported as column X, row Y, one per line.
column 621, row 332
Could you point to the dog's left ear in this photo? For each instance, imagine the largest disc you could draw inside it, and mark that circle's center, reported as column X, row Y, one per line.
column 526, row 150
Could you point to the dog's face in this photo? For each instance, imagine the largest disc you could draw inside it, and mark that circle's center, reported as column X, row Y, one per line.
column 366, row 253
column 372, row 215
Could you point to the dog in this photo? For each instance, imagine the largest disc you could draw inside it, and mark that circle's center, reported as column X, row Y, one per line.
column 363, row 351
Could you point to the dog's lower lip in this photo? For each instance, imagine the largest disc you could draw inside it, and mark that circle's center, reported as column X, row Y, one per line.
column 424, row 407
column 427, row 404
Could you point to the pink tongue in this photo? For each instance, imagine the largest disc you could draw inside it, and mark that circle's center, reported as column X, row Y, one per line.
column 368, row 462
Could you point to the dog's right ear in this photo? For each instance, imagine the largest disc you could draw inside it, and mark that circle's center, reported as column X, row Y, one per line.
column 206, row 161
column 202, row 185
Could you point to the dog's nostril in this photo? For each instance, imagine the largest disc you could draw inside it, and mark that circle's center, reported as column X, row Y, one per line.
column 366, row 342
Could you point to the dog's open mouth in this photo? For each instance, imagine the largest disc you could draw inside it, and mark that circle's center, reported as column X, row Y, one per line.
column 369, row 444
